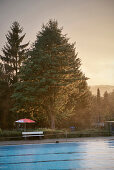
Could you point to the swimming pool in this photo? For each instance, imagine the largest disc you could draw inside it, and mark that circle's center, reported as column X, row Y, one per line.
column 80, row 155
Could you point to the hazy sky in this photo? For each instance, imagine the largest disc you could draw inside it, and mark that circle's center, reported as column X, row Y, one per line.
column 88, row 22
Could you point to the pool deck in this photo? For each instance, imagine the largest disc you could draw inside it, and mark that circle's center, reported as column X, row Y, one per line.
column 82, row 139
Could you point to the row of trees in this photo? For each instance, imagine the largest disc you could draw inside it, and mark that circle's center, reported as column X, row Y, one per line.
column 103, row 107
column 44, row 82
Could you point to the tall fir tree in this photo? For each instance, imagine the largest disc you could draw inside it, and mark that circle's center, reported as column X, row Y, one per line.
column 99, row 105
column 98, row 97
column 10, row 62
column 13, row 53
column 52, row 65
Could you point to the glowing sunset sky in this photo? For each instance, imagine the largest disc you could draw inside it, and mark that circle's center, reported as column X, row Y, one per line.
column 88, row 22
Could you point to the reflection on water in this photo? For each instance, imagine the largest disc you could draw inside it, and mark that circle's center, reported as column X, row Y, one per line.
column 100, row 155
column 84, row 155
column 111, row 143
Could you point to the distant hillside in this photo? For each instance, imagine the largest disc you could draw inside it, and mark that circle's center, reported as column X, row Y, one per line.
column 102, row 88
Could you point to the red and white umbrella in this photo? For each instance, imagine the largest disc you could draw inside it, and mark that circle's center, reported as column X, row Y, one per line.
column 25, row 121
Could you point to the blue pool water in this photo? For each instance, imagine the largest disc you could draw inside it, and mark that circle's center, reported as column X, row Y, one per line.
column 80, row 155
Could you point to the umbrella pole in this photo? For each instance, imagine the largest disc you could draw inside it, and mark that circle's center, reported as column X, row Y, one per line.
column 25, row 127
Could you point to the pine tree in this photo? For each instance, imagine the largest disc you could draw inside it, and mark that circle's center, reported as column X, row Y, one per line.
column 98, row 97
column 99, row 105
column 13, row 53
column 52, row 65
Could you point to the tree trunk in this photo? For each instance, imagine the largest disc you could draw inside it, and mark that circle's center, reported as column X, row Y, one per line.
column 52, row 121
column 52, row 112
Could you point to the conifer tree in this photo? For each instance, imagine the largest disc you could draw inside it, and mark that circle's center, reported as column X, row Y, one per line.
column 52, row 64
column 13, row 53
column 98, row 96
column 99, row 105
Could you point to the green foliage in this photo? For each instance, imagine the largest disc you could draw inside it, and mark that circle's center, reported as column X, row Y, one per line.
column 102, row 111
column 52, row 67
column 4, row 104
column 47, row 83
